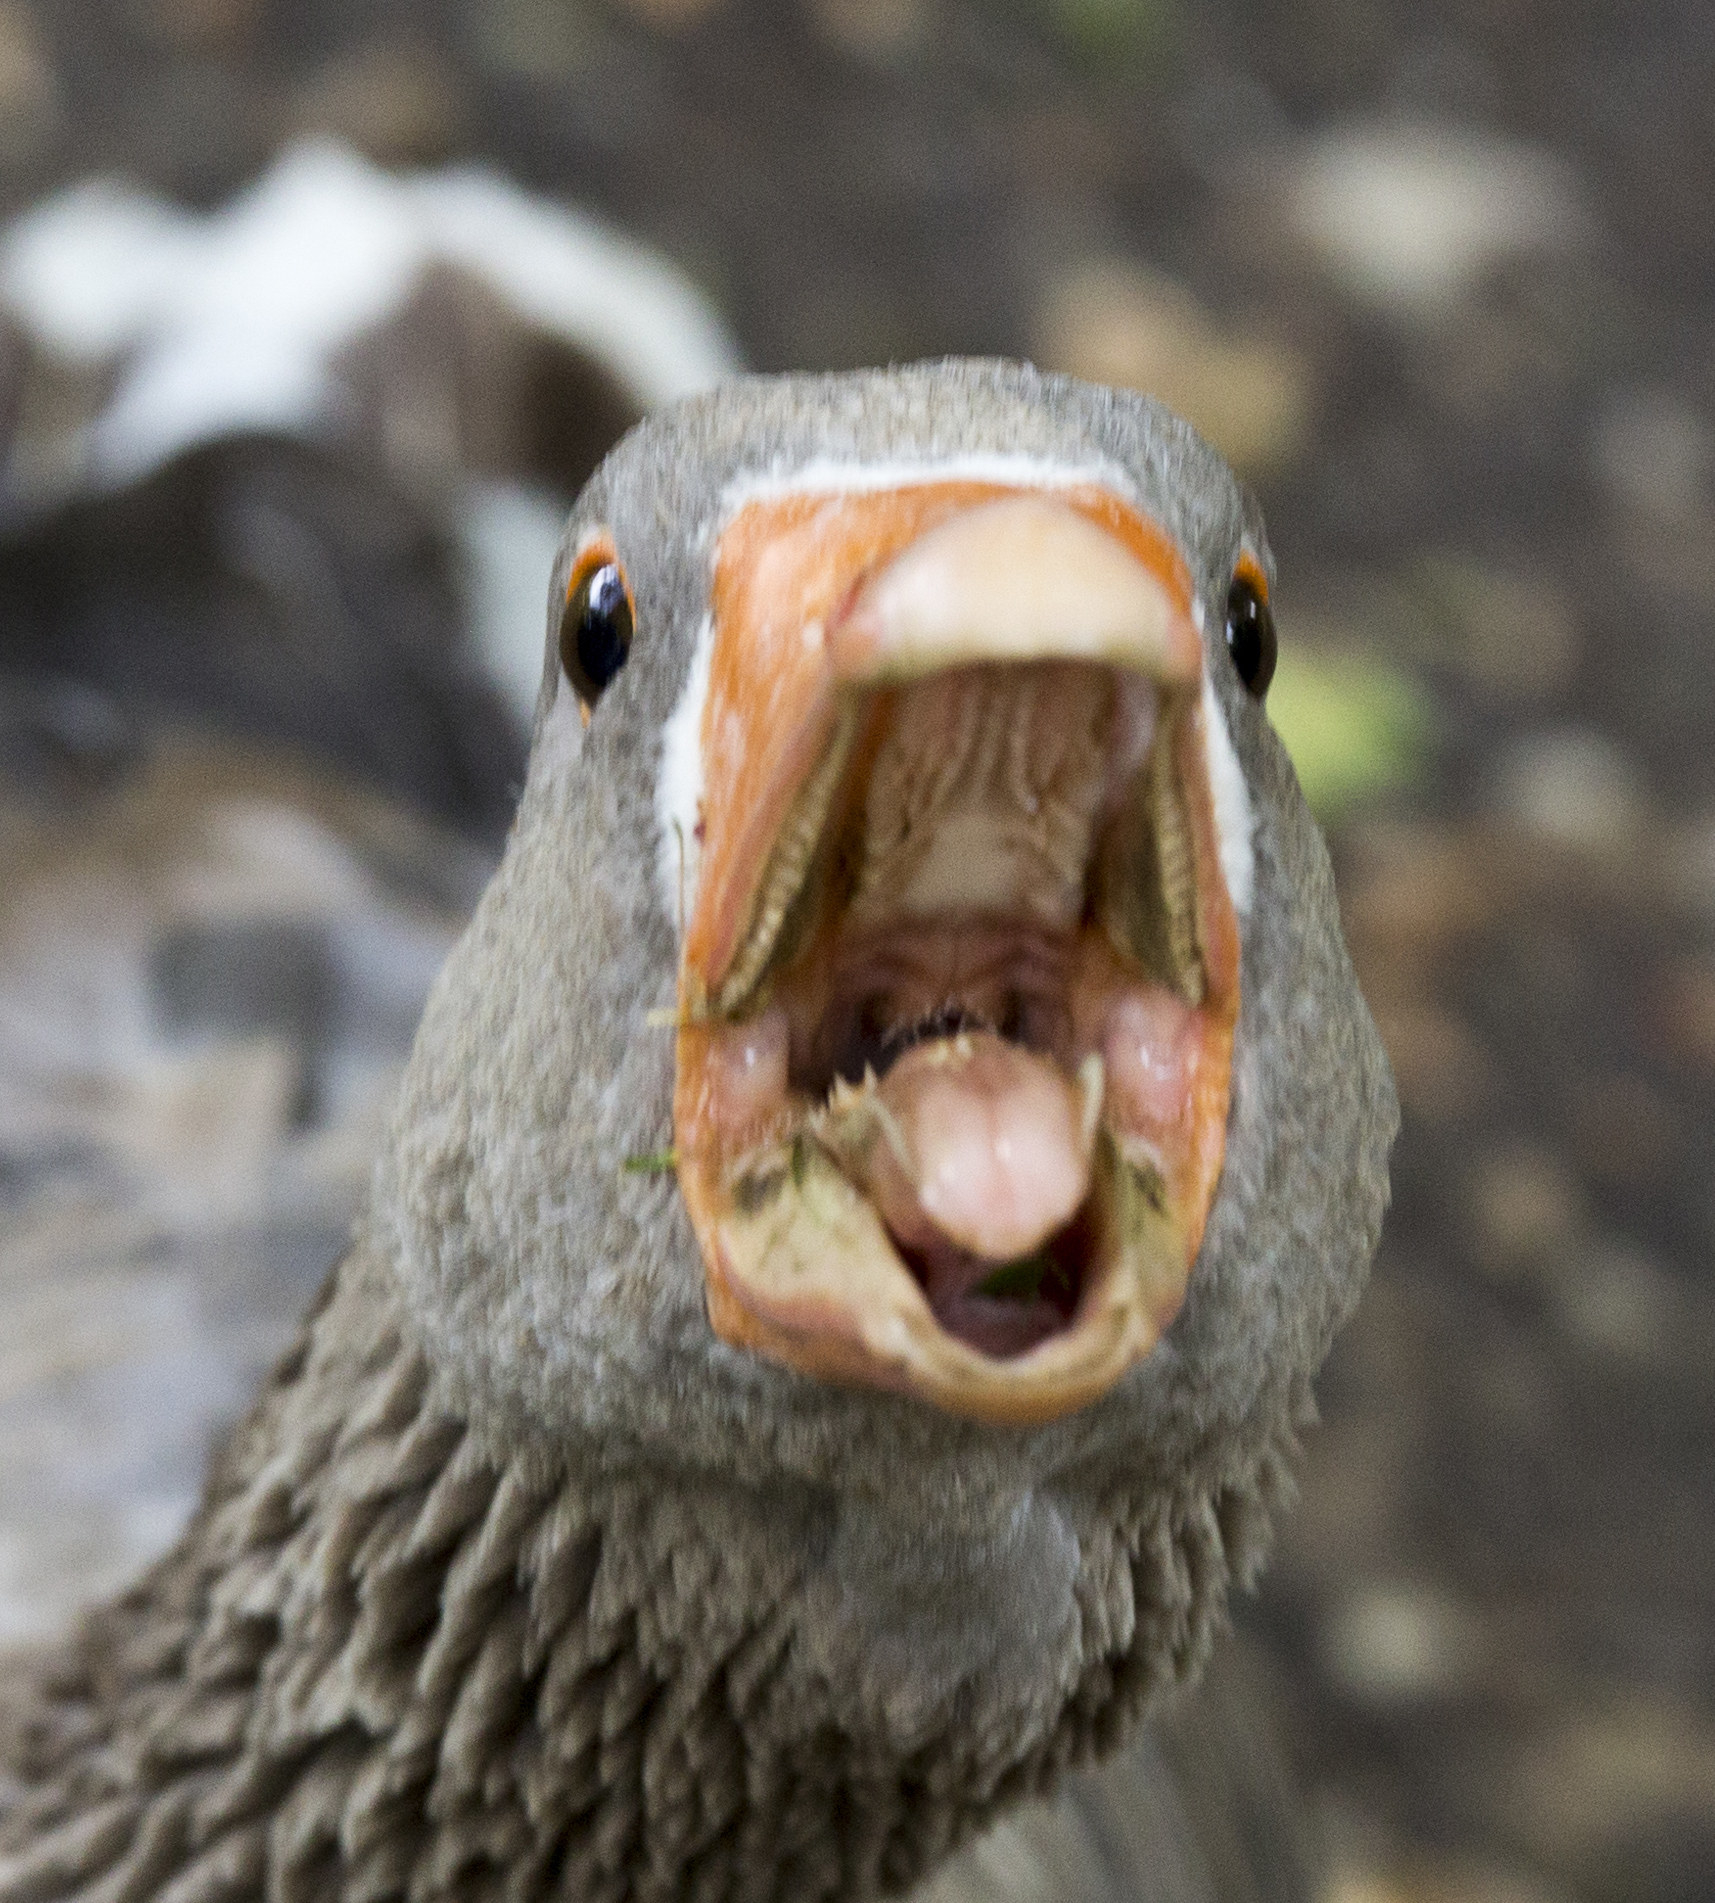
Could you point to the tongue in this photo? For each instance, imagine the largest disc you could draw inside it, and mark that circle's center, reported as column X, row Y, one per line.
column 988, row 1150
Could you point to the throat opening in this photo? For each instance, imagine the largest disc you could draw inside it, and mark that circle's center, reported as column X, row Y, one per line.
column 1006, row 1309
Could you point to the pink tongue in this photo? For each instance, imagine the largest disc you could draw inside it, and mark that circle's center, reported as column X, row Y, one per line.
column 994, row 1136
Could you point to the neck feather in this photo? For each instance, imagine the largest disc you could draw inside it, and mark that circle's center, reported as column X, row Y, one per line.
column 390, row 1661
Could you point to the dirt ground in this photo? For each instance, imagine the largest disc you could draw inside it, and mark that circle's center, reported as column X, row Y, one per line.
column 1441, row 279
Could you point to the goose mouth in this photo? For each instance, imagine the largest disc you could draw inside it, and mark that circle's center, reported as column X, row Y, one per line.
column 961, row 970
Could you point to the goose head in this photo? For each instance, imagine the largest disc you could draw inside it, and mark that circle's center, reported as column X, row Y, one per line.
column 906, row 1076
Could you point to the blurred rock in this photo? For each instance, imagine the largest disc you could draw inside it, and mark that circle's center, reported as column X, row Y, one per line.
column 199, row 26
column 1113, row 322
column 1409, row 215
column 670, row 16
column 1442, row 1071
column 30, row 106
column 107, row 1398
column 1413, row 889
column 257, row 453
column 509, row 536
column 1688, row 865
column 1614, row 1300
column 1510, row 632
column 1681, row 1001
column 194, row 127
column 1401, row 1644
column 1524, row 1207
column 1441, row 1880
column 398, row 103
column 876, row 30
column 1606, row 1779
column 544, row 41
column 204, row 1125
column 246, row 978
column 1574, row 788
column 1628, row 1136
column 1654, row 453
column 61, row 741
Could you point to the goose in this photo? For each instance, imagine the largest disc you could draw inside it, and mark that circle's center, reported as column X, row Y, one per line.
column 873, row 1184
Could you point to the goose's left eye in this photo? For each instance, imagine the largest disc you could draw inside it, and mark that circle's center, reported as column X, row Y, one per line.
column 1250, row 633
column 595, row 631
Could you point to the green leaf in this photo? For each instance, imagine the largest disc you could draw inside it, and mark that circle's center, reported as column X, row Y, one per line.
column 1019, row 1281
column 655, row 1163
column 1356, row 726
column 1109, row 34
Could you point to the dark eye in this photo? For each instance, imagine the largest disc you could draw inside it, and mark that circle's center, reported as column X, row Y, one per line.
column 595, row 631
column 1250, row 634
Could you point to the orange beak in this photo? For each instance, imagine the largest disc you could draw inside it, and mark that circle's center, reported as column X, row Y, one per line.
column 960, row 974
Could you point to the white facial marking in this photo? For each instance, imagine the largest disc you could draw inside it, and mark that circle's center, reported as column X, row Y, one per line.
column 1232, row 802
column 679, row 785
column 826, row 475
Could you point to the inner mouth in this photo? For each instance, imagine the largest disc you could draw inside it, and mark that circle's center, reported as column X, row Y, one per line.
column 961, row 967
column 972, row 986
column 1004, row 1309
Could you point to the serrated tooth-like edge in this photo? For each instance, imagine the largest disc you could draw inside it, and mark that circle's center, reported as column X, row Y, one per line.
column 788, row 865
column 1178, row 872
column 850, row 1118
column 1174, row 947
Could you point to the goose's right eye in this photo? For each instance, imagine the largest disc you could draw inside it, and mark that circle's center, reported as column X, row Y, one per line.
column 596, row 630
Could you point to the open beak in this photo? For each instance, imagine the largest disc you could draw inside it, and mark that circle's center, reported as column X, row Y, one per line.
column 961, row 971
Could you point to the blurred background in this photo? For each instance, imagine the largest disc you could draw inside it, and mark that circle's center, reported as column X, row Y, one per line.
column 312, row 319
